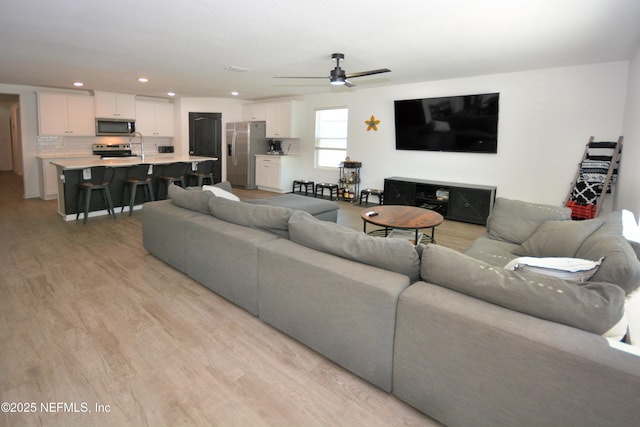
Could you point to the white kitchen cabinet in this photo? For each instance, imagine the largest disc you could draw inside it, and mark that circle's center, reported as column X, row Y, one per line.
column 283, row 119
column 112, row 105
column 268, row 172
column 154, row 118
column 61, row 114
column 275, row 173
column 255, row 112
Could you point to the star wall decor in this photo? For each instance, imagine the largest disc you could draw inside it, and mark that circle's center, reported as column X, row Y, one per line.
column 372, row 123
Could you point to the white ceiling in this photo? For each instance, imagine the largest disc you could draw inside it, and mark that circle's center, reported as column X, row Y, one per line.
column 184, row 46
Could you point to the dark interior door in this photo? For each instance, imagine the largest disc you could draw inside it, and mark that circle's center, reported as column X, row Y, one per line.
column 205, row 138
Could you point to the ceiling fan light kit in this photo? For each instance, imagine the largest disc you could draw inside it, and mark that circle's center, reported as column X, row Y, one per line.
column 338, row 76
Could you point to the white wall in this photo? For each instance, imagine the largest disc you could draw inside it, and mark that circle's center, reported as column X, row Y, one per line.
column 546, row 118
column 29, row 140
column 628, row 196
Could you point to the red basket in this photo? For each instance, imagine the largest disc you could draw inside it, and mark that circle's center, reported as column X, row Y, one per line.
column 581, row 211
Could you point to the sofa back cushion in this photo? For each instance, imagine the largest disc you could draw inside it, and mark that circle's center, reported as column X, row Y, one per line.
column 594, row 307
column 558, row 238
column 271, row 218
column 396, row 255
column 514, row 220
column 631, row 230
column 192, row 198
column 620, row 264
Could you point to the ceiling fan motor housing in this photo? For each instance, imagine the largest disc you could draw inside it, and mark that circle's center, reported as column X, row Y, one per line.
column 337, row 75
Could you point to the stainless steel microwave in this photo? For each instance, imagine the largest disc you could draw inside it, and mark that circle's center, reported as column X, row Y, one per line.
column 107, row 127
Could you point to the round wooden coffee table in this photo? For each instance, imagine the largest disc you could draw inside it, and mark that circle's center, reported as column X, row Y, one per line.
column 403, row 218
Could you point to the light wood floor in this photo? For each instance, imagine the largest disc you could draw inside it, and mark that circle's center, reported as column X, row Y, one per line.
column 95, row 331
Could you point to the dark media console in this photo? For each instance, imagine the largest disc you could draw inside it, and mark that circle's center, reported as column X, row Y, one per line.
column 460, row 202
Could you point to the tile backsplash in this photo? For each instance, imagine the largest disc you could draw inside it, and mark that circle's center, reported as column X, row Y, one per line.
column 78, row 146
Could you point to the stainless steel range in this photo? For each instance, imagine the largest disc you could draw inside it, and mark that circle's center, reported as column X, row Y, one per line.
column 106, row 151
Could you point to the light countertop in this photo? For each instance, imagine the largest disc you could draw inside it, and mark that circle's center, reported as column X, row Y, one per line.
column 82, row 163
column 276, row 155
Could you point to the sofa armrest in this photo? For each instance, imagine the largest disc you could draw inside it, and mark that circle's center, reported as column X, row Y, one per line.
column 467, row 362
column 164, row 233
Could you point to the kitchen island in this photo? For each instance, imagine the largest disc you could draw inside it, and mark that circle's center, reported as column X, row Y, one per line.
column 70, row 171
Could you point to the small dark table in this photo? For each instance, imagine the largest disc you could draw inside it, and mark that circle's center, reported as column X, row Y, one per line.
column 404, row 218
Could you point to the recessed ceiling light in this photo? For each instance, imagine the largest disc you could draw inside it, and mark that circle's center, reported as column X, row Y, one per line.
column 236, row 68
column 78, row 84
column 143, row 79
column 234, row 93
column 171, row 93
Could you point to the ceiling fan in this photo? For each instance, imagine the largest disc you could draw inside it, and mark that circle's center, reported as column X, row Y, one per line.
column 338, row 76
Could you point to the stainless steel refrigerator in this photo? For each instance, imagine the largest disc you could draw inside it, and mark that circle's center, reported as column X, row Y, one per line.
column 244, row 141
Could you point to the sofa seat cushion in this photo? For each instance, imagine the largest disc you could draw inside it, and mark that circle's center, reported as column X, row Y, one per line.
column 515, row 220
column 271, row 218
column 494, row 252
column 316, row 207
column 396, row 255
column 558, row 238
column 593, row 307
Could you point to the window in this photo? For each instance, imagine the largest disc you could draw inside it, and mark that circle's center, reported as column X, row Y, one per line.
column 331, row 137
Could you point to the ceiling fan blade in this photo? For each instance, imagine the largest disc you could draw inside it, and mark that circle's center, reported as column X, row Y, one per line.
column 299, row 77
column 347, row 83
column 368, row 73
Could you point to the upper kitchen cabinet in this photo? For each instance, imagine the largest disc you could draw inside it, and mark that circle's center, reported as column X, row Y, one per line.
column 255, row 112
column 282, row 119
column 154, row 118
column 62, row 114
column 111, row 105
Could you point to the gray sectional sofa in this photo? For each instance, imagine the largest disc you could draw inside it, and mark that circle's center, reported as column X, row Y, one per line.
column 464, row 340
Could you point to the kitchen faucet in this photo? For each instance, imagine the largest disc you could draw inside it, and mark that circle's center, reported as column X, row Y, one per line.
column 133, row 135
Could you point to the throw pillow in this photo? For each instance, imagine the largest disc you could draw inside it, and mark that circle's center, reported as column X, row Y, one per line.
column 396, row 255
column 191, row 198
column 514, row 220
column 271, row 218
column 593, row 307
column 576, row 269
column 219, row 192
column 558, row 238
column 586, row 193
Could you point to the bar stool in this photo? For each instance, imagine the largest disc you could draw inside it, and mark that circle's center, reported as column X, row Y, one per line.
column 371, row 192
column 203, row 172
column 100, row 179
column 172, row 173
column 300, row 183
column 321, row 186
column 136, row 175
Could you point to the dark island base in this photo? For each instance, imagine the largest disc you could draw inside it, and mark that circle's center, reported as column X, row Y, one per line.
column 117, row 188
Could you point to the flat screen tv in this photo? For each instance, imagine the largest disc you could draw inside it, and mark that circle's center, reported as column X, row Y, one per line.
column 467, row 123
